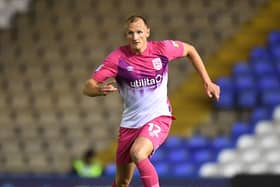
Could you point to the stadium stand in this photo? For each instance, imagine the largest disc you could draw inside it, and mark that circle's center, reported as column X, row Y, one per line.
column 48, row 51
column 251, row 146
column 257, row 139
column 236, row 48
column 255, row 153
column 258, row 152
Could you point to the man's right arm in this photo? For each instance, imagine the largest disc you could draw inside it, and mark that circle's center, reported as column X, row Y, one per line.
column 93, row 88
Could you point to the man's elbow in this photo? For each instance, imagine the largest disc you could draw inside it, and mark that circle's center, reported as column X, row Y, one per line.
column 91, row 88
column 87, row 89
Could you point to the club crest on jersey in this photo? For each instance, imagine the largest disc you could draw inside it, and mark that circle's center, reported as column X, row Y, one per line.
column 175, row 44
column 129, row 68
column 157, row 63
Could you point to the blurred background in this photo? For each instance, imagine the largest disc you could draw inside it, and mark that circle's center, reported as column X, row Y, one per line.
column 49, row 48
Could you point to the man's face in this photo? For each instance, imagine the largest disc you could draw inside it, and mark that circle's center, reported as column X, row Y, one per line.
column 137, row 34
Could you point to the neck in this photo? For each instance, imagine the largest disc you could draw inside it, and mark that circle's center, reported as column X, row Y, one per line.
column 139, row 51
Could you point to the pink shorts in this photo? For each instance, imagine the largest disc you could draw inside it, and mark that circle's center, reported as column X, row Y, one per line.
column 155, row 130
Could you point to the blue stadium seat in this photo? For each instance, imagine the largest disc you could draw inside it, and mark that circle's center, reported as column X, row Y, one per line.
column 241, row 68
column 225, row 83
column 238, row 129
column 110, row 170
column 275, row 52
column 159, row 155
column 245, row 82
column 245, row 88
column 184, row 169
column 226, row 100
column 259, row 113
column 269, row 82
column 202, row 156
column 274, row 38
column 258, row 53
column 178, row 155
column 136, row 172
column 277, row 69
column 197, row 142
column 246, row 98
column 173, row 142
column 221, row 142
column 270, row 98
column 163, row 168
column 262, row 68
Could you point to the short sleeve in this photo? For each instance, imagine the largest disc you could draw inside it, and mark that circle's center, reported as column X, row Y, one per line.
column 107, row 69
column 172, row 49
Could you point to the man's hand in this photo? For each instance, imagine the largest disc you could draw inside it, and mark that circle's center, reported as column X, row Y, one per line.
column 212, row 90
column 107, row 88
column 93, row 88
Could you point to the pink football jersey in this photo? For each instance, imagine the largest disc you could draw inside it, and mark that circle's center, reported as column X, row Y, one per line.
column 142, row 80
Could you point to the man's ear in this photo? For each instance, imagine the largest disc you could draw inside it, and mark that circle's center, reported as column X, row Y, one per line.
column 148, row 32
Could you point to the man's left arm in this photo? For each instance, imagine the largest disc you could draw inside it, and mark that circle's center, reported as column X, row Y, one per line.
column 211, row 89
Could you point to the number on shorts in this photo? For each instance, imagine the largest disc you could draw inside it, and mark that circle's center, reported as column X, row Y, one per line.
column 154, row 129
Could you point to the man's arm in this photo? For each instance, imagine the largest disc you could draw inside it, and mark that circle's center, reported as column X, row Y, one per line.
column 212, row 90
column 94, row 88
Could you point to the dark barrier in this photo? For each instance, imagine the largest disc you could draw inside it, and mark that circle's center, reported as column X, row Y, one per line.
column 43, row 181
column 256, row 180
column 66, row 181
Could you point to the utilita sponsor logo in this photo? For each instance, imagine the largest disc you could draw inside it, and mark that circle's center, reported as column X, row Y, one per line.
column 146, row 82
